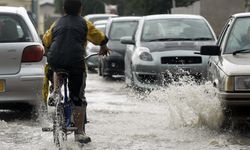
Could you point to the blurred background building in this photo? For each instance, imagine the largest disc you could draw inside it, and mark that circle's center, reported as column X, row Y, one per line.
column 215, row 11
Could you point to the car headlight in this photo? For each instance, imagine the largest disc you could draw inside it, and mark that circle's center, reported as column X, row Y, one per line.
column 242, row 83
column 144, row 54
column 228, row 84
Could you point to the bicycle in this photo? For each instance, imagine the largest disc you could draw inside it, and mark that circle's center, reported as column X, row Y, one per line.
column 62, row 125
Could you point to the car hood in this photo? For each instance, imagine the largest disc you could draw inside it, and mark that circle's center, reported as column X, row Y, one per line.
column 117, row 47
column 175, row 45
column 236, row 64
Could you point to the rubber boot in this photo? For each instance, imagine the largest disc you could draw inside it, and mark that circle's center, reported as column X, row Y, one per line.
column 79, row 117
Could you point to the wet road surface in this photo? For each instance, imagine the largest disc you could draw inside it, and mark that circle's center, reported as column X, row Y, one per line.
column 185, row 117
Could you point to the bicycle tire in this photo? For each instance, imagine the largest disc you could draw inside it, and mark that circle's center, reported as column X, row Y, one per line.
column 59, row 133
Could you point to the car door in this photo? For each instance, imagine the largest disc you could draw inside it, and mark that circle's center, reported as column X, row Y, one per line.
column 215, row 62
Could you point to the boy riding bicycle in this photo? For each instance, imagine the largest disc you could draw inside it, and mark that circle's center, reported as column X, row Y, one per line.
column 66, row 40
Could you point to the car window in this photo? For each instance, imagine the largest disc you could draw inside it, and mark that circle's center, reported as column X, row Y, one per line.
column 13, row 29
column 224, row 31
column 122, row 28
column 176, row 28
column 239, row 37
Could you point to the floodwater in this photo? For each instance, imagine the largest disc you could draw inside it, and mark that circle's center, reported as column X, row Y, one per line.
column 182, row 116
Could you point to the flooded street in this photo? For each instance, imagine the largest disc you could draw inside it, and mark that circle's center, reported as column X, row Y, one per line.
column 178, row 117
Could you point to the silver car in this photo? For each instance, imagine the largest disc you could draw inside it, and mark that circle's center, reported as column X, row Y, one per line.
column 96, row 17
column 21, row 58
column 116, row 28
column 229, row 64
column 165, row 45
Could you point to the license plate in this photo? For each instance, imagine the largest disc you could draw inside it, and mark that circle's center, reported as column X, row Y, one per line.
column 2, row 86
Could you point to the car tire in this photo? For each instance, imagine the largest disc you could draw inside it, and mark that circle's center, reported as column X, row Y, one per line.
column 100, row 73
column 132, row 77
column 106, row 76
column 227, row 122
column 91, row 69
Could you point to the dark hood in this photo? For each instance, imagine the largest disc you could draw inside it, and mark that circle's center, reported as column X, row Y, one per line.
column 175, row 45
column 117, row 47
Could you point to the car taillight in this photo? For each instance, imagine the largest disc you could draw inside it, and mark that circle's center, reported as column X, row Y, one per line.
column 33, row 53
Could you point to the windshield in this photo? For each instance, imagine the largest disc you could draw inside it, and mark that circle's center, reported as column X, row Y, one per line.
column 121, row 29
column 239, row 37
column 176, row 29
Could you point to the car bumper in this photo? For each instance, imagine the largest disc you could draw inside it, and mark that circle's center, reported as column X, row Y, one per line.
column 25, row 87
column 153, row 76
column 235, row 99
column 114, row 66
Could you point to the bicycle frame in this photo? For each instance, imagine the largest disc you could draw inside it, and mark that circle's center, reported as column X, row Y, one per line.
column 62, row 115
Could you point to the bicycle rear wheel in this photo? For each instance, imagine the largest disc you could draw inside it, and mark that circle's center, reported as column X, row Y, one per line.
column 59, row 127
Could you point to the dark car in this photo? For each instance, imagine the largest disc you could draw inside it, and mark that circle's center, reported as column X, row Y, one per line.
column 117, row 28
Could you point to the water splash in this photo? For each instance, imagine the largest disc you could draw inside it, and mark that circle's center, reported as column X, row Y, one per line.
column 187, row 102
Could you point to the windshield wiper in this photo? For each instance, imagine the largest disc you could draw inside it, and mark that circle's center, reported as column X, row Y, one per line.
column 240, row 51
column 170, row 39
column 202, row 39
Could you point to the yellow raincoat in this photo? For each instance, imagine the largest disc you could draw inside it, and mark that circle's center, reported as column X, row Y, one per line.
column 94, row 36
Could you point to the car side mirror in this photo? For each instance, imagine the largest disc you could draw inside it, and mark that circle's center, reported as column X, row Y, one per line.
column 212, row 50
column 127, row 40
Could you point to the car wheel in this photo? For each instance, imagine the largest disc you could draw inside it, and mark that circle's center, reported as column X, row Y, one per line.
column 99, row 71
column 28, row 111
column 104, row 75
column 227, row 122
column 132, row 78
column 100, row 68
column 91, row 69
column 132, row 75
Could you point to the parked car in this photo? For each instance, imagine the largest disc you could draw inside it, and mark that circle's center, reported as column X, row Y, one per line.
column 229, row 64
column 117, row 28
column 96, row 17
column 101, row 23
column 21, row 59
column 165, row 44
column 93, row 62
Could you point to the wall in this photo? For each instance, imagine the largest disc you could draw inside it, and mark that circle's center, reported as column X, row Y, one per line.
column 17, row 3
column 47, row 16
column 218, row 11
column 191, row 9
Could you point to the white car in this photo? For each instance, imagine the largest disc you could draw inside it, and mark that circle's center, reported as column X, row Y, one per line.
column 229, row 64
column 165, row 45
column 96, row 17
column 21, row 59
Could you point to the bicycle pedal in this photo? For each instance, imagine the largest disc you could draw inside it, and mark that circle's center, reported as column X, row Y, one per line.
column 47, row 129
